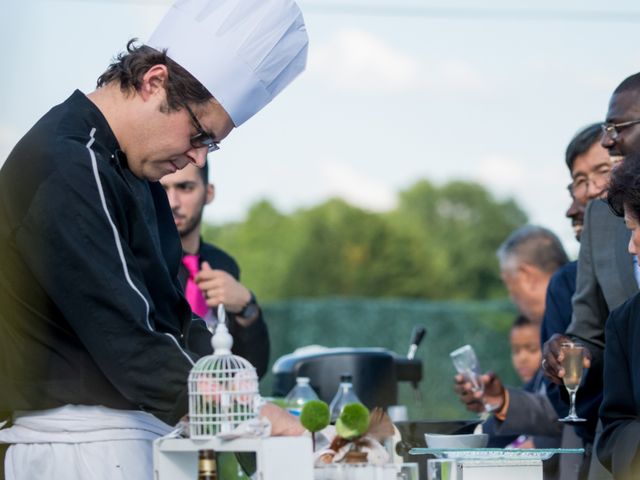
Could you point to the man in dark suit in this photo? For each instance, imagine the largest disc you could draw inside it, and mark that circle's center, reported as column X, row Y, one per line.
column 619, row 443
column 606, row 273
column 210, row 275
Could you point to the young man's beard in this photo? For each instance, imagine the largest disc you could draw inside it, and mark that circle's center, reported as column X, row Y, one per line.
column 192, row 224
column 189, row 227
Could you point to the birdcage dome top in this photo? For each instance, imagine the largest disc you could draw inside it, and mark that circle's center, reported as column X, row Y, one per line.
column 214, row 363
column 222, row 358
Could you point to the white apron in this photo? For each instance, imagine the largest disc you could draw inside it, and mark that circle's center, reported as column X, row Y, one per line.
column 78, row 442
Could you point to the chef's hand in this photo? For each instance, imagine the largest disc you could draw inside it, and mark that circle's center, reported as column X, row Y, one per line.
column 282, row 422
column 219, row 287
column 494, row 392
column 552, row 357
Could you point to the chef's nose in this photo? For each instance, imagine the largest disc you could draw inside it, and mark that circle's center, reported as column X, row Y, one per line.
column 198, row 156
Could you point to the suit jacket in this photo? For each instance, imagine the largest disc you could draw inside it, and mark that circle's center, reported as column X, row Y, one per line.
column 620, row 411
column 530, row 413
column 558, row 308
column 605, row 280
column 605, row 273
column 252, row 342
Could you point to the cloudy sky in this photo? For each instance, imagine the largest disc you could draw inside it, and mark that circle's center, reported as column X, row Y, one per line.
column 395, row 91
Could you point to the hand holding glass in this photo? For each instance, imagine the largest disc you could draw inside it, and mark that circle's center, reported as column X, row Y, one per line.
column 466, row 363
column 572, row 363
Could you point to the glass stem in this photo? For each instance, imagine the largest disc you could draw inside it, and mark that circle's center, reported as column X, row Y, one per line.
column 572, row 408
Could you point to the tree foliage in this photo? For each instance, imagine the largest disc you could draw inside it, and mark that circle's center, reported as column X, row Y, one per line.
column 438, row 243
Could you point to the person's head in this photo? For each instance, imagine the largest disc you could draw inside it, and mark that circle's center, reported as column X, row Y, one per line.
column 624, row 197
column 188, row 191
column 589, row 165
column 163, row 118
column 528, row 258
column 526, row 354
column 621, row 130
column 208, row 67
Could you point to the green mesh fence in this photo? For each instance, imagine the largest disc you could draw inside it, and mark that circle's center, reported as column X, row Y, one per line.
column 388, row 324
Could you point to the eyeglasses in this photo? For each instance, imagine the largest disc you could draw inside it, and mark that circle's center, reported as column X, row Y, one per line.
column 599, row 179
column 201, row 139
column 612, row 130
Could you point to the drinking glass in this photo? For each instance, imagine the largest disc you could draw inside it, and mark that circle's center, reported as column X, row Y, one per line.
column 466, row 363
column 442, row 469
column 572, row 362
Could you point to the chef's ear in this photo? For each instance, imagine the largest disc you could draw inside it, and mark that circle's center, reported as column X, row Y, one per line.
column 153, row 81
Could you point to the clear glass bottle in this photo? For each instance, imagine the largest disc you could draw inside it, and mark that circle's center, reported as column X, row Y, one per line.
column 345, row 394
column 299, row 395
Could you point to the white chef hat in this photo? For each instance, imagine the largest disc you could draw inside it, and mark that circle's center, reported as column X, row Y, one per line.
column 243, row 51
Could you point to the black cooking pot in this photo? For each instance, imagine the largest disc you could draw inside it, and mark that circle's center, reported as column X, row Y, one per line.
column 375, row 372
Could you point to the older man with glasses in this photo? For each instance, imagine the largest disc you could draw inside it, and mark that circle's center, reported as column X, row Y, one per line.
column 590, row 168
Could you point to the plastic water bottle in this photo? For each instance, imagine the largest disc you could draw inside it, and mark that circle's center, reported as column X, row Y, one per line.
column 345, row 394
column 299, row 395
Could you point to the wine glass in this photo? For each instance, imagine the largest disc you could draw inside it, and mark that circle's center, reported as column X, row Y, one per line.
column 466, row 363
column 572, row 362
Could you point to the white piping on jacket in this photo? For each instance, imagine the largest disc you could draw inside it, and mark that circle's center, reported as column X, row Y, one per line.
column 116, row 237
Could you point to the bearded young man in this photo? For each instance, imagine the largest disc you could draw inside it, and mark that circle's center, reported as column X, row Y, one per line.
column 209, row 274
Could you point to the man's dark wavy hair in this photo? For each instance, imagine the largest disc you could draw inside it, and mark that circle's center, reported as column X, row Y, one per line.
column 129, row 67
column 624, row 188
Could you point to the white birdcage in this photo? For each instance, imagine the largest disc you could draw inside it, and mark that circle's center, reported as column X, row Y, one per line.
column 223, row 388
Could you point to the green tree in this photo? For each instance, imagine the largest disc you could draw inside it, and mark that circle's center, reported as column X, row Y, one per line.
column 461, row 226
column 439, row 243
column 263, row 244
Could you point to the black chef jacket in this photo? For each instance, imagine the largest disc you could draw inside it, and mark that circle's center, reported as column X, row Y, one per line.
column 91, row 311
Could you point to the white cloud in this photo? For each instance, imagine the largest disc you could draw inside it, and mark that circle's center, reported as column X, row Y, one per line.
column 454, row 75
column 358, row 60
column 500, row 173
column 356, row 188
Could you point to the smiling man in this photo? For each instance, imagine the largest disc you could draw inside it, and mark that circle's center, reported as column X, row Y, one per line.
column 96, row 337
column 590, row 167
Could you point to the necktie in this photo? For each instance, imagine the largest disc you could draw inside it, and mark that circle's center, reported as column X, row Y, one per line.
column 192, row 292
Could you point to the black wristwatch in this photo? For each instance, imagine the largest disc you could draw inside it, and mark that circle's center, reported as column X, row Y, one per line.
column 250, row 310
